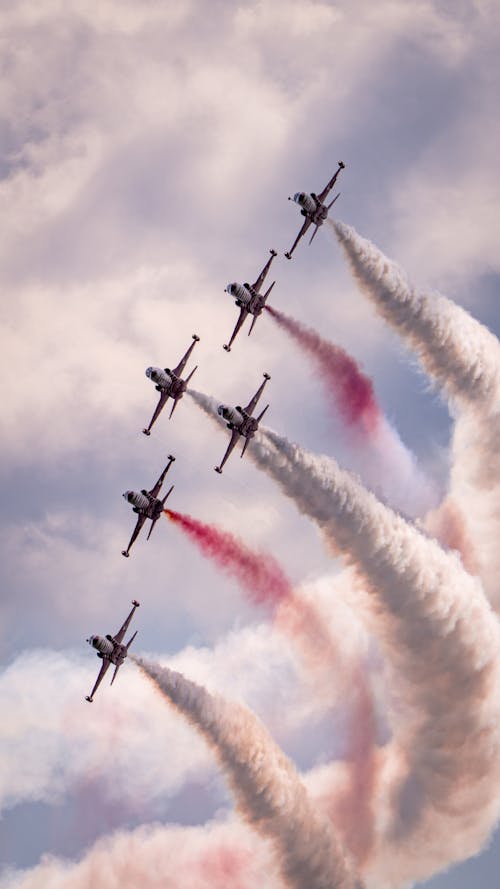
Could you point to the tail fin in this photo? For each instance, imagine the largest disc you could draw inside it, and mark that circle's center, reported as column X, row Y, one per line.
column 268, row 291
column 129, row 643
column 254, row 319
column 259, row 418
column 244, row 446
column 166, row 495
column 190, row 375
column 173, row 407
column 332, row 202
column 151, row 528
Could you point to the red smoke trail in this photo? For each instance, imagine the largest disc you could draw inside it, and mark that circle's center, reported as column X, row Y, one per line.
column 350, row 389
column 259, row 573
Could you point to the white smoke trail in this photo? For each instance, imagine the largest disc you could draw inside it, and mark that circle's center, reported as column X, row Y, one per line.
column 268, row 790
column 454, row 348
column 463, row 357
column 442, row 639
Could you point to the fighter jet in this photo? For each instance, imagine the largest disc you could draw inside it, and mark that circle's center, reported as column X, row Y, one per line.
column 147, row 505
column 240, row 421
column 111, row 650
column 313, row 208
column 169, row 384
column 249, row 299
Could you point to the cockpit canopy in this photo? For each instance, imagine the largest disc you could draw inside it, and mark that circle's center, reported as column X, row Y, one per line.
column 129, row 496
column 232, row 288
column 224, row 411
column 299, row 197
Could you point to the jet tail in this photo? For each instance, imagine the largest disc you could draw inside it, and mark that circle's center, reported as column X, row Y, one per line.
column 332, row 202
column 173, row 407
column 254, row 319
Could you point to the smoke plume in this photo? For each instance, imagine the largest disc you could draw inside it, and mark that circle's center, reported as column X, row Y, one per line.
column 350, row 390
column 267, row 789
column 442, row 640
column 463, row 358
column 335, row 672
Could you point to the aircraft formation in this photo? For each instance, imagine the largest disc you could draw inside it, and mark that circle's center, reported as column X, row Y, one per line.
column 240, row 420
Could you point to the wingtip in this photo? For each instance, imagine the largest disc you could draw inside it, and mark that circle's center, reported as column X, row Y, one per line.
column 89, row 699
column 218, row 469
column 125, row 553
column 146, row 432
column 226, row 348
column 288, row 255
column 135, row 603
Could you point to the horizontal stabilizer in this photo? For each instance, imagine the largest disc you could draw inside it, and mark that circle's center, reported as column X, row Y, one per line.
column 114, row 674
column 313, row 235
column 129, row 643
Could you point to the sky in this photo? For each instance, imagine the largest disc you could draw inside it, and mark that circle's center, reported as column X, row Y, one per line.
column 148, row 153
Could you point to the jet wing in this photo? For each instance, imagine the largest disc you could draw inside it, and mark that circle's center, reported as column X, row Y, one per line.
column 260, row 280
column 242, row 316
column 135, row 533
column 307, row 223
column 156, row 489
column 234, row 438
column 102, row 673
column 182, row 363
column 253, row 401
column 123, row 629
column 328, row 187
column 159, row 407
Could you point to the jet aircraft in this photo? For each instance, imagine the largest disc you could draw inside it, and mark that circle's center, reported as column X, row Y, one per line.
column 111, row 650
column 249, row 299
column 147, row 505
column 169, row 384
column 240, row 421
column 313, row 208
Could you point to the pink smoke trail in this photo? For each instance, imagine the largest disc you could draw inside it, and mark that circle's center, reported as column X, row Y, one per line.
column 265, row 582
column 266, row 786
column 259, row 573
column 215, row 856
column 349, row 388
